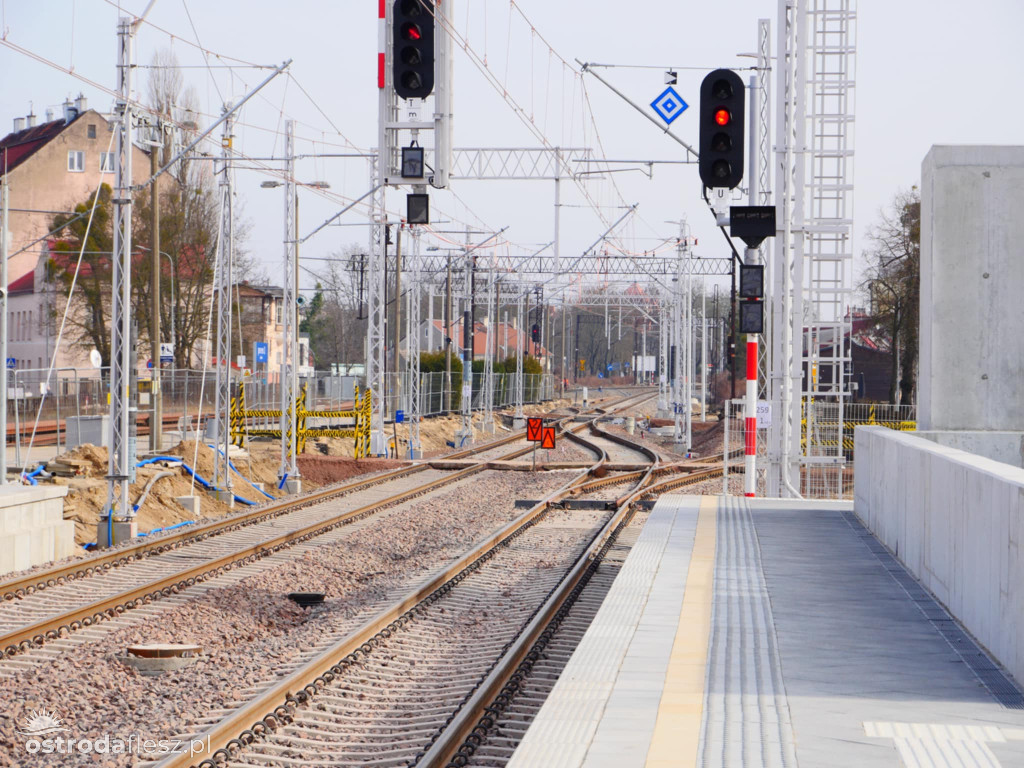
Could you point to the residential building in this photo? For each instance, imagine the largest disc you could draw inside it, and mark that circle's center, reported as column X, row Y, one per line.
column 507, row 339
column 52, row 167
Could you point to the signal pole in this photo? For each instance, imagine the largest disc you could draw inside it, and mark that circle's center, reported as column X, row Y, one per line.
column 221, row 467
column 156, row 425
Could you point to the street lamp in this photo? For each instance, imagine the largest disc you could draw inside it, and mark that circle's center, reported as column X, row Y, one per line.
column 174, row 301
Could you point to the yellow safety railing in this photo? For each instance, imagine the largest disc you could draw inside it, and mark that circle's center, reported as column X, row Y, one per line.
column 360, row 431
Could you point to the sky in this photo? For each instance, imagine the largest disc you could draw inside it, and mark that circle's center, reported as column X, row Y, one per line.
column 940, row 72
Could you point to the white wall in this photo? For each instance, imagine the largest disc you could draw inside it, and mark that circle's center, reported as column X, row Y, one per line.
column 956, row 521
column 972, row 269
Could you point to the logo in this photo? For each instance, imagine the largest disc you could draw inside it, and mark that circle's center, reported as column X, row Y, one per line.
column 41, row 723
column 43, row 732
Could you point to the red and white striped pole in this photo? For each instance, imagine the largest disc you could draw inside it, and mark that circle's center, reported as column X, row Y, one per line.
column 381, row 42
column 750, row 443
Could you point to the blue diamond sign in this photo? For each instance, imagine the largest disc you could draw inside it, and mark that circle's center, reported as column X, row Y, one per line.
column 669, row 105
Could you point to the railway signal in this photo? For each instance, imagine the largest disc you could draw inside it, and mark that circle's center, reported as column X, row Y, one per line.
column 548, row 439
column 413, row 60
column 722, row 119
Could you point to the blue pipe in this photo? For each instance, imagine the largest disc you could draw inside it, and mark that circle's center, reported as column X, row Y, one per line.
column 199, row 478
column 281, row 484
column 168, row 528
column 153, row 459
column 250, row 482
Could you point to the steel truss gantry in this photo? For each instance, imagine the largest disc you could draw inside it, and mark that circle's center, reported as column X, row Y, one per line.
column 813, row 256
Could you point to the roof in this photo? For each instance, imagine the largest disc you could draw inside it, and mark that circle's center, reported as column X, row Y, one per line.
column 269, row 290
column 24, row 284
column 17, row 147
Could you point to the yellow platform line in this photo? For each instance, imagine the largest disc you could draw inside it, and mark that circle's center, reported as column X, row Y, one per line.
column 677, row 730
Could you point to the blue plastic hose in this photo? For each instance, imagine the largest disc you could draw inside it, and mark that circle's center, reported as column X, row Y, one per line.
column 250, row 482
column 199, row 478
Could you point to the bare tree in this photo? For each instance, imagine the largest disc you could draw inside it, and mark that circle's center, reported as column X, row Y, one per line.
column 335, row 316
column 189, row 220
column 892, row 283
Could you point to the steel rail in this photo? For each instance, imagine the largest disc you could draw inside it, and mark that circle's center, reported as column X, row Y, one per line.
column 277, row 704
column 51, row 628
column 455, row 745
column 31, row 583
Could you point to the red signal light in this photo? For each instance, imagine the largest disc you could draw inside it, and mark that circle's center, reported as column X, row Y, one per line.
column 412, row 32
column 722, row 116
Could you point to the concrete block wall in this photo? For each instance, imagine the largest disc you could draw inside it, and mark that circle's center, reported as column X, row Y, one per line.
column 32, row 526
column 956, row 520
column 972, row 269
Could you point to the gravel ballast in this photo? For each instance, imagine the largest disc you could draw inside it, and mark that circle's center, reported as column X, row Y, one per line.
column 249, row 631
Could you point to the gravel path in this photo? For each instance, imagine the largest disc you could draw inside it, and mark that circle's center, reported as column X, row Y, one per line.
column 250, row 631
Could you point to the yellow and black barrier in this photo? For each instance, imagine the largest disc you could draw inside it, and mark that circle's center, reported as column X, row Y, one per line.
column 360, row 431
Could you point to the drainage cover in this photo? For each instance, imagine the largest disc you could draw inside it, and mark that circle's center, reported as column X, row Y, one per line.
column 306, row 599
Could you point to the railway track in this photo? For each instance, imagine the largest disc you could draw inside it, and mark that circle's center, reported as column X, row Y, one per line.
column 537, row 534
column 48, row 607
column 375, row 696
column 385, row 657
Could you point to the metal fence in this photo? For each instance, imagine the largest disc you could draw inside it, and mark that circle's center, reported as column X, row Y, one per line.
column 436, row 398
column 41, row 401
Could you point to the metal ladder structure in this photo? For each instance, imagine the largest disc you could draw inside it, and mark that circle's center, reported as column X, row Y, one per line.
column 812, row 273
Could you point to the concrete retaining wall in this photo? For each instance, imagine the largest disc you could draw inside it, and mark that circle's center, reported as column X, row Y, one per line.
column 32, row 526
column 1007, row 447
column 956, row 520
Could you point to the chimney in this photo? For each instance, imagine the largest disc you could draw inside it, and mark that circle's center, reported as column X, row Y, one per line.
column 31, row 121
column 19, row 124
column 81, row 103
column 70, row 113
column 49, row 115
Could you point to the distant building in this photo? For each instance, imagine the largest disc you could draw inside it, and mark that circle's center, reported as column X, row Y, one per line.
column 261, row 319
column 507, row 339
column 50, row 168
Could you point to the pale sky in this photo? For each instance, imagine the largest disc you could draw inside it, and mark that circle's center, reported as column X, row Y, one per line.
column 937, row 72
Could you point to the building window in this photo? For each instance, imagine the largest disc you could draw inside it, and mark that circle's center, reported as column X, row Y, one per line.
column 106, row 162
column 91, row 132
column 29, row 334
column 278, row 305
column 76, row 161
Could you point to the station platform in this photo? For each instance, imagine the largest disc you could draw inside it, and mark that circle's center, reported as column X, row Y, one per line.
column 758, row 632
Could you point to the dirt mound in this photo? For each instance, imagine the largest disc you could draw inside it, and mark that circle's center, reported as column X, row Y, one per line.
column 323, row 470
column 92, row 460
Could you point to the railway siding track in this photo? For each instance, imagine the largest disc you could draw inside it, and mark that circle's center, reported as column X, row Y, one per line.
column 51, row 619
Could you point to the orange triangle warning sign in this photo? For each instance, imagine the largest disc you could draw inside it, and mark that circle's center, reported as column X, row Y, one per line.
column 533, row 429
column 548, row 438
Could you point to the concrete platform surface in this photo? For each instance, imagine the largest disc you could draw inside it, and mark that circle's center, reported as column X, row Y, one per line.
column 772, row 633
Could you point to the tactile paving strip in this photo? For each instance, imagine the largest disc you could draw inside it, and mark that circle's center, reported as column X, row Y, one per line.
column 746, row 714
column 980, row 663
